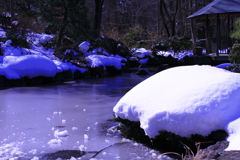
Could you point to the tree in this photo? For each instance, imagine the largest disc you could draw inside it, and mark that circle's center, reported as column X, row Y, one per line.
column 98, row 17
column 12, row 10
column 168, row 13
column 65, row 18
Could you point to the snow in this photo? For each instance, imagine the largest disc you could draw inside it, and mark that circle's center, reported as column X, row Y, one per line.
column 45, row 37
column 36, row 61
column 101, row 60
column 15, row 23
column 55, row 143
column 15, row 67
column 71, row 51
column 59, row 134
column 84, row 46
column 143, row 61
column 141, row 53
column 179, row 55
column 185, row 100
column 64, row 66
column 234, row 135
column 2, row 33
column 224, row 65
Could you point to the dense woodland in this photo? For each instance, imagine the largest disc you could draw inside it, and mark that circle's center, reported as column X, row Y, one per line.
column 128, row 21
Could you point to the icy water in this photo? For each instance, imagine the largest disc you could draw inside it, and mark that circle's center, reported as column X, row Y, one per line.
column 35, row 121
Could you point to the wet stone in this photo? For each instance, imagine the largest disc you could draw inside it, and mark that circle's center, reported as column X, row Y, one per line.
column 64, row 154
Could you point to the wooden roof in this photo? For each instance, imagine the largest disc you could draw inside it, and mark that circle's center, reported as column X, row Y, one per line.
column 221, row 7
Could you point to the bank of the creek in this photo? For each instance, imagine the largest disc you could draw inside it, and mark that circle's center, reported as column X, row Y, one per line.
column 76, row 112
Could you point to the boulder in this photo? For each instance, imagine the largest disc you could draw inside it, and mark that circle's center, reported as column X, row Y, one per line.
column 142, row 72
column 77, row 74
column 112, row 71
column 171, row 61
column 97, row 71
column 2, row 80
column 68, row 75
column 59, row 77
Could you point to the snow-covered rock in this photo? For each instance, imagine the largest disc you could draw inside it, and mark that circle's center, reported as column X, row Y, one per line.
column 45, row 37
column 55, row 143
column 141, row 53
column 100, row 60
column 15, row 67
column 58, row 133
column 184, row 100
column 224, row 65
column 84, row 46
column 143, row 61
column 179, row 55
column 234, row 135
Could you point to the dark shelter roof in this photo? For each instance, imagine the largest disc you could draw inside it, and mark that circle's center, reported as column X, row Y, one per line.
column 219, row 7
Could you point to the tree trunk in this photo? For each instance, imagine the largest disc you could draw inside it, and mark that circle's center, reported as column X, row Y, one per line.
column 64, row 24
column 181, row 18
column 98, row 17
column 192, row 26
column 158, row 16
column 163, row 18
column 174, row 20
column 12, row 10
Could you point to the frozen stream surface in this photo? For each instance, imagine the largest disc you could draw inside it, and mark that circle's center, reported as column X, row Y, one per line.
column 36, row 121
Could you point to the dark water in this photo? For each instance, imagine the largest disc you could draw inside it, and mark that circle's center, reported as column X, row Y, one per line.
column 72, row 116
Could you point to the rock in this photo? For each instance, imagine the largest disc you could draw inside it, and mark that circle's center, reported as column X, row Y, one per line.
column 161, row 67
column 171, row 61
column 200, row 60
column 207, row 60
column 67, row 74
column 36, row 80
column 77, row 74
column 84, row 46
column 229, row 155
column 112, row 70
column 2, row 80
column 64, row 154
column 133, row 62
column 142, row 72
column 125, row 68
column 59, row 77
column 97, row 71
column 213, row 151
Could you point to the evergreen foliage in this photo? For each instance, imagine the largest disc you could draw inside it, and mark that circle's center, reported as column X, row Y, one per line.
column 65, row 17
column 177, row 44
column 18, row 40
column 236, row 33
column 138, row 37
column 234, row 56
column 111, row 46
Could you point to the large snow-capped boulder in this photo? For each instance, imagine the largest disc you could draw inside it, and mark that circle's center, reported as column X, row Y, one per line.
column 183, row 100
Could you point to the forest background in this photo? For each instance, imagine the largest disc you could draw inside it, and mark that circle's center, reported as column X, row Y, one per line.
column 136, row 23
